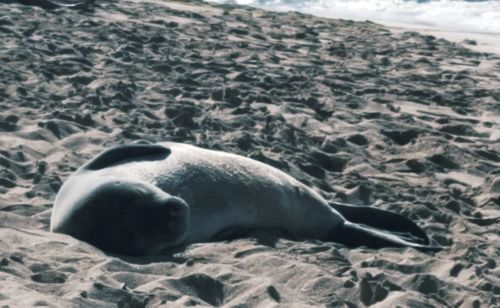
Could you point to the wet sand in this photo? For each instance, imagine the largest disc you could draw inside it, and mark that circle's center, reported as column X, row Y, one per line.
column 399, row 120
column 480, row 42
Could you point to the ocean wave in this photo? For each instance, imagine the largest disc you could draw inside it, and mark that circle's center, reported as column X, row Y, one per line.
column 476, row 16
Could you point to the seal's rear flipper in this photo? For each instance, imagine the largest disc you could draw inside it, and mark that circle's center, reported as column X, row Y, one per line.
column 381, row 220
column 375, row 228
column 122, row 152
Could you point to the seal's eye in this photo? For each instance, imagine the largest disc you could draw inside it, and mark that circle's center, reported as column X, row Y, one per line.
column 133, row 196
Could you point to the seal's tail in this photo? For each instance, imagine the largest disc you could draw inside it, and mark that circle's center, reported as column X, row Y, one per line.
column 375, row 228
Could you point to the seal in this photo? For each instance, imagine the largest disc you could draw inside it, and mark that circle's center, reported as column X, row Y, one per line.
column 143, row 198
column 53, row 4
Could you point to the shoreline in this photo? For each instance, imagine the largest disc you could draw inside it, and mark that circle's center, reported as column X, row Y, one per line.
column 482, row 42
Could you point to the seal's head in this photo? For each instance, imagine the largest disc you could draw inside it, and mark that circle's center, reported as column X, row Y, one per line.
column 126, row 217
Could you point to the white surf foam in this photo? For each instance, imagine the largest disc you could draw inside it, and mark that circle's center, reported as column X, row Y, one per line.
column 472, row 16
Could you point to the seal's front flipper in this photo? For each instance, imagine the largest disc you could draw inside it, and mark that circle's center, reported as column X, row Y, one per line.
column 123, row 152
column 375, row 228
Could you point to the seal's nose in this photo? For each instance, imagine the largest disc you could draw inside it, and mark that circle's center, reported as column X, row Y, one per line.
column 176, row 207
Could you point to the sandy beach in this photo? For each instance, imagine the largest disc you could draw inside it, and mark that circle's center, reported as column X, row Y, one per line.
column 399, row 120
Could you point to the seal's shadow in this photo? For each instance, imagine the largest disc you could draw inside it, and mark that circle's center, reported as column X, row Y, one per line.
column 264, row 237
column 174, row 255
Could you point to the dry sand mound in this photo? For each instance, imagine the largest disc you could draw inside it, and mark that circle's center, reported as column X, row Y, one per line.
column 405, row 121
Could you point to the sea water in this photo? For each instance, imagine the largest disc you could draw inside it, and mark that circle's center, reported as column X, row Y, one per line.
column 471, row 16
